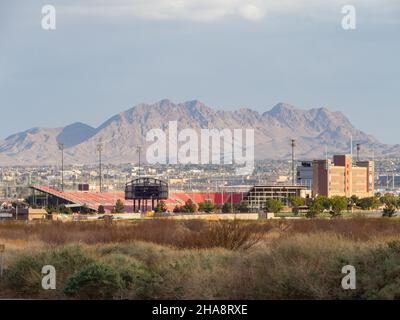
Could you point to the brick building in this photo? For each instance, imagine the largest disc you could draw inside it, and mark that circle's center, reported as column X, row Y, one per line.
column 342, row 177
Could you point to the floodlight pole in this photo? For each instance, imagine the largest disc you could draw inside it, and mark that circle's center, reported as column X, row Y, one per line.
column 100, row 149
column 358, row 151
column 61, row 147
column 139, row 151
column 293, row 144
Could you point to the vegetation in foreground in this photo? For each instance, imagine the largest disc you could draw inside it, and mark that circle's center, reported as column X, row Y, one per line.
column 169, row 260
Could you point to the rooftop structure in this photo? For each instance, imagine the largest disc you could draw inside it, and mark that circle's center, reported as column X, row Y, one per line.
column 141, row 190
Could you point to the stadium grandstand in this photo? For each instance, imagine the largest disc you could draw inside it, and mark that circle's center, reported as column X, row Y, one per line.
column 43, row 195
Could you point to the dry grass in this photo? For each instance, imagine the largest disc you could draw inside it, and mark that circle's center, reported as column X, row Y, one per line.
column 199, row 260
column 355, row 229
column 300, row 267
column 186, row 234
column 192, row 233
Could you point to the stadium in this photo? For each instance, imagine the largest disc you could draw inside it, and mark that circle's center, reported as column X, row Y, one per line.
column 43, row 196
column 143, row 194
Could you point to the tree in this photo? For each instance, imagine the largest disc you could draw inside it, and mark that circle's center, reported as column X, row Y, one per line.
column 161, row 207
column 368, row 203
column 389, row 199
column 391, row 203
column 338, row 205
column 85, row 209
column 273, row 205
column 50, row 209
column 101, row 210
column 316, row 208
column 296, row 202
column 324, row 201
column 354, row 200
column 63, row 209
column 177, row 209
column 226, row 208
column 389, row 210
column 207, row 206
column 190, row 206
column 119, row 207
column 241, row 207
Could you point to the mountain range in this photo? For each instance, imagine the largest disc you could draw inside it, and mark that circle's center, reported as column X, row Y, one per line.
column 315, row 131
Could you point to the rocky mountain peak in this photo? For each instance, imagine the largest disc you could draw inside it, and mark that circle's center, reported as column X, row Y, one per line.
column 314, row 129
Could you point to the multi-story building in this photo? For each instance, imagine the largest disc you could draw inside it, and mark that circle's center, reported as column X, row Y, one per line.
column 257, row 197
column 343, row 178
column 305, row 174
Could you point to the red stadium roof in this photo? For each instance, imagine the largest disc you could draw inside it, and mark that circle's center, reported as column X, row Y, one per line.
column 108, row 199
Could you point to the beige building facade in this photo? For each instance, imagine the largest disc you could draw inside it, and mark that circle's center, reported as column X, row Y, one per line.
column 342, row 177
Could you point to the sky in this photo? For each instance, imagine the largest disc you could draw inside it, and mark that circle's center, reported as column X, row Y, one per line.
column 106, row 56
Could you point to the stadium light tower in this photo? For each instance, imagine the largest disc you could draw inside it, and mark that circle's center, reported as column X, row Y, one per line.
column 100, row 149
column 61, row 147
column 139, row 151
column 293, row 144
column 358, row 151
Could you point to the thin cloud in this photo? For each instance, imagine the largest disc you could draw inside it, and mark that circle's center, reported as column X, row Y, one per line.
column 214, row 10
column 192, row 10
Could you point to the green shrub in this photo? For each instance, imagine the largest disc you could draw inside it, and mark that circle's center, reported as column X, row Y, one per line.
column 161, row 207
column 273, row 205
column 140, row 281
column 68, row 259
column 338, row 205
column 148, row 283
column 119, row 207
column 296, row 202
column 389, row 210
column 24, row 275
column 368, row 203
column 206, row 206
column 95, row 281
column 378, row 273
column 190, row 206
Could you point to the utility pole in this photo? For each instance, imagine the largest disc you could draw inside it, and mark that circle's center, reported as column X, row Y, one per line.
column 232, row 201
column 61, row 147
column 393, row 185
column 351, row 145
column 326, row 152
column 387, row 181
column 139, row 151
column 100, row 149
column 293, row 144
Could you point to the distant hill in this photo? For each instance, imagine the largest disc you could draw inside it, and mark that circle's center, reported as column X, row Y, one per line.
column 314, row 130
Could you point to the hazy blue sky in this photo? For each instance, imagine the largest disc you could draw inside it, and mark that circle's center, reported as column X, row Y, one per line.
column 107, row 56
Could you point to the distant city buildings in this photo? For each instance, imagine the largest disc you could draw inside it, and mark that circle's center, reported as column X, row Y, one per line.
column 15, row 181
